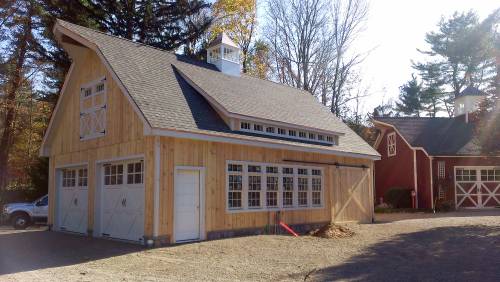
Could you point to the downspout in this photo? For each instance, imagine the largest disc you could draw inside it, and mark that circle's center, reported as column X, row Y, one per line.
column 415, row 176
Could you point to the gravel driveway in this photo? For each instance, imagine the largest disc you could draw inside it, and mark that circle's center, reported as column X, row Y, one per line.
column 462, row 246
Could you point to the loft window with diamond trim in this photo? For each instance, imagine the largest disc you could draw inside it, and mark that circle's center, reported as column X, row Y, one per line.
column 93, row 110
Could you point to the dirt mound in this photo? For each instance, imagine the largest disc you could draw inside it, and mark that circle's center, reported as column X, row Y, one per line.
column 332, row 231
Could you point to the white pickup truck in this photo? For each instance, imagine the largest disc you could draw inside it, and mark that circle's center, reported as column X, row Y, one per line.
column 22, row 215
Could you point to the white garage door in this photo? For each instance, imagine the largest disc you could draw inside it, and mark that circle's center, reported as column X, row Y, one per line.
column 187, row 205
column 73, row 200
column 477, row 187
column 123, row 200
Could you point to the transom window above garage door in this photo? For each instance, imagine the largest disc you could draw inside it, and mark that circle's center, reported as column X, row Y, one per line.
column 490, row 174
column 264, row 186
column 131, row 172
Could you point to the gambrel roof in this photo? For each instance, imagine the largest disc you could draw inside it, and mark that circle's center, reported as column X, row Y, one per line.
column 438, row 136
column 174, row 93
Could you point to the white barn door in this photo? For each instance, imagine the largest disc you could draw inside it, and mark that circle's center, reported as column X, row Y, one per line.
column 477, row 187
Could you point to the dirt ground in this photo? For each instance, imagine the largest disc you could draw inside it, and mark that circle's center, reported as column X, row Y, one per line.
column 463, row 246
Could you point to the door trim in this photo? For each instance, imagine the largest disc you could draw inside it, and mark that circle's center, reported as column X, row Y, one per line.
column 201, row 171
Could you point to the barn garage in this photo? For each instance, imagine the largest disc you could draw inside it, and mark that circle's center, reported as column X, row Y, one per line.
column 194, row 152
column 73, row 199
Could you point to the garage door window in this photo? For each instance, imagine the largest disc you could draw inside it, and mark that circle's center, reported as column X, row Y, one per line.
column 135, row 173
column 466, row 175
column 113, row 174
column 490, row 175
column 69, row 178
column 82, row 177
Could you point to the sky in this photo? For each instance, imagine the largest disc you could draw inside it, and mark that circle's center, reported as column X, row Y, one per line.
column 394, row 30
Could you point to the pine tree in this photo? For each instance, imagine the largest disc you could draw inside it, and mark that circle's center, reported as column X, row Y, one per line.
column 410, row 98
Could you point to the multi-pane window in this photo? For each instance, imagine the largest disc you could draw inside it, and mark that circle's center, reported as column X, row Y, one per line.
column 272, row 191
column 258, row 127
column 303, row 190
column 316, row 191
column 281, row 131
column 490, row 174
column 135, row 173
column 329, row 139
column 441, row 170
column 441, row 193
column 466, row 174
column 302, row 134
column 69, row 178
column 391, row 144
column 83, row 177
column 292, row 133
column 321, row 137
column 270, row 129
column 253, row 186
column 235, row 186
column 93, row 110
column 113, row 174
column 312, row 136
column 245, row 125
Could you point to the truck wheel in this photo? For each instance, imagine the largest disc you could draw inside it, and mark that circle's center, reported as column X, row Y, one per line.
column 20, row 221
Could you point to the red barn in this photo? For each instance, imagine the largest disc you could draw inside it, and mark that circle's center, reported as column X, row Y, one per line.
column 439, row 158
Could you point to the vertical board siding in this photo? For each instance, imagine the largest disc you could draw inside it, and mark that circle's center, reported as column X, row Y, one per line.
column 124, row 132
column 213, row 156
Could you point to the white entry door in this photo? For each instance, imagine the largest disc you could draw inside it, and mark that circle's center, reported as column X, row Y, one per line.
column 73, row 200
column 187, row 201
column 122, row 203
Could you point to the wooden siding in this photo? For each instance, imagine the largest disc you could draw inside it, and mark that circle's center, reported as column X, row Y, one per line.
column 124, row 132
column 213, row 156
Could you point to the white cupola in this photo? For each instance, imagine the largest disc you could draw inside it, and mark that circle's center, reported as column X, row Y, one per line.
column 225, row 55
column 468, row 100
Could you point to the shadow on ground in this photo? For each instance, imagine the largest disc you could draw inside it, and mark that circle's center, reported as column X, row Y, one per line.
column 32, row 250
column 393, row 217
column 465, row 253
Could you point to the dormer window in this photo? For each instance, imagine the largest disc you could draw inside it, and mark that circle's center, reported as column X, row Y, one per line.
column 245, row 125
column 291, row 133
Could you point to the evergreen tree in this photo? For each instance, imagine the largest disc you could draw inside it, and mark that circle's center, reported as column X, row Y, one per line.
column 409, row 98
column 461, row 53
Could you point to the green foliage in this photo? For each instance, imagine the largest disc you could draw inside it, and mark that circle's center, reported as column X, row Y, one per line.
column 410, row 98
column 461, row 53
column 398, row 197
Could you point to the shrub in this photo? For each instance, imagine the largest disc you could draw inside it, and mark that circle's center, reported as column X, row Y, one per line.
column 398, row 197
column 445, row 206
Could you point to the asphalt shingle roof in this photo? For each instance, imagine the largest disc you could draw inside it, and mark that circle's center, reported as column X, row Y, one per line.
column 153, row 79
column 438, row 136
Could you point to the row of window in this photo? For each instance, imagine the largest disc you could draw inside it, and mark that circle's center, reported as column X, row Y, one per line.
column 269, row 186
column 471, row 174
column 290, row 133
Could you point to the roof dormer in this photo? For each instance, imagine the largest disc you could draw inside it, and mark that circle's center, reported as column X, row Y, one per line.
column 225, row 55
